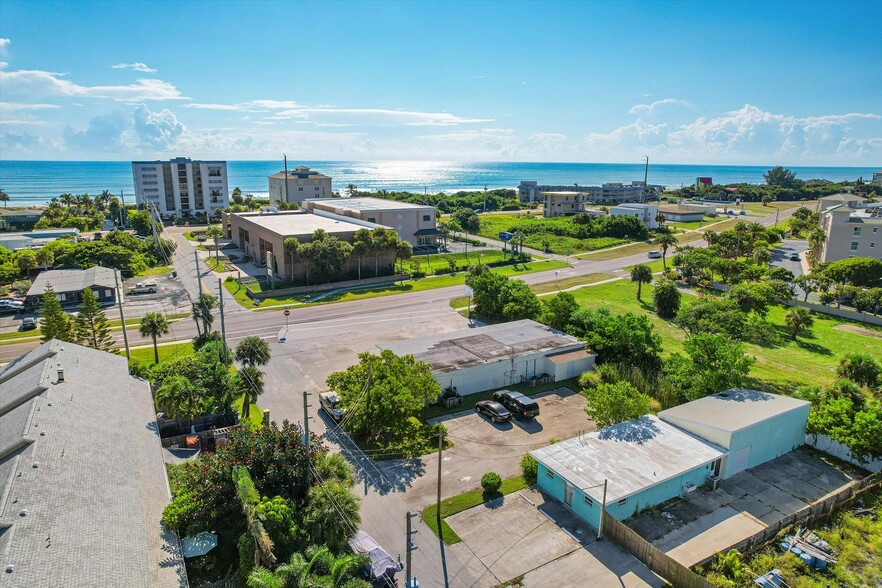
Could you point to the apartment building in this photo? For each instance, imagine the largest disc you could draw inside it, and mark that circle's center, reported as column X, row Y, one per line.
column 298, row 185
column 645, row 213
column 849, row 200
column 851, row 232
column 182, row 186
column 609, row 193
column 877, row 178
column 414, row 223
column 564, row 203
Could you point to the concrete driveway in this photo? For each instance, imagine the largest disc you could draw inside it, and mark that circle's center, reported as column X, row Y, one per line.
column 523, row 536
column 707, row 522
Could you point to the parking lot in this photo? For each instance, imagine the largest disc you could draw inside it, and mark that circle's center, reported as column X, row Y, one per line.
column 522, row 535
column 708, row 521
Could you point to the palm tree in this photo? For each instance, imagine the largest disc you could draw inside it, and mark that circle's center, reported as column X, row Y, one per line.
column 816, row 239
column 249, row 385
column 103, row 199
column 202, row 311
column 154, row 325
column 291, row 246
column 178, row 397
column 4, row 197
column 665, row 240
column 45, row 257
column 67, row 199
column 642, row 275
column 253, row 351
column 215, row 232
column 381, row 240
column 361, row 244
column 331, row 515
column 797, row 319
column 318, row 567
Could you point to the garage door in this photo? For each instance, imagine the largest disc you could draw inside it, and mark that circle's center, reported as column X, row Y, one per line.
column 738, row 461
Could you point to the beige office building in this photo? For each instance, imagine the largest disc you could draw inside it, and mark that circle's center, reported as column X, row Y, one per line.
column 299, row 184
column 851, row 233
column 564, row 203
column 261, row 235
column 414, row 223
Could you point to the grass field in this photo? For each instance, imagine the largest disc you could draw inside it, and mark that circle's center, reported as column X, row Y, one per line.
column 416, row 285
column 159, row 270
column 466, row 500
column 635, row 248
column 811, row 360
column 493, row 224
column 115, row 325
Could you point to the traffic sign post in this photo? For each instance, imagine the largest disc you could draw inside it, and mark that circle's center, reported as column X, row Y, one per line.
column 287, row 314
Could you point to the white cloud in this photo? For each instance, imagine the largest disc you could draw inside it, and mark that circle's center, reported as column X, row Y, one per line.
column 3, row 64
column 157, row 129
column 105, row 133
column 31, row 84
column 381, row 116
column 649, row 109
column 16, row 106
column 202, row 106
column 4, row 43
column 137, row 66
column 26, row 143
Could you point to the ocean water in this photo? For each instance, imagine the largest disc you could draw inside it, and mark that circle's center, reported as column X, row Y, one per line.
column 35, row 182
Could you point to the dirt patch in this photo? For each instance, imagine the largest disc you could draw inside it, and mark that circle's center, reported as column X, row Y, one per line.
column 860, row 331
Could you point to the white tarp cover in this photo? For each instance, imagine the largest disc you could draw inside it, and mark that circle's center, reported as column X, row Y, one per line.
column 382, row 563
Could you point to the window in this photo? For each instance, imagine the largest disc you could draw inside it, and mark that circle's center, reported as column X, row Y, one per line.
column 875, row 229
column 854, row 245
column 300, row 189
column 588, row 501
column 872, row 245
column 108, row 293
column 372, row 219
column 857, row 232
column 623, row 502
column 549, row 473
column 427, row 217
column 316, row 188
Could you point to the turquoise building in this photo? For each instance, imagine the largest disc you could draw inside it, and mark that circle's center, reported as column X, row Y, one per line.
column 649, row 460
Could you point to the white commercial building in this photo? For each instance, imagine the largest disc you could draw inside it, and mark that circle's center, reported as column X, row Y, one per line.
column 645, row 213
column 182, row 186
column 298, row 185
column 486, row 358
column 414, row 223
column 610, row 193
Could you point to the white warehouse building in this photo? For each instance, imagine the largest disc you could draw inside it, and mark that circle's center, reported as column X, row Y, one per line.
column 645, row 213
column 494, row 356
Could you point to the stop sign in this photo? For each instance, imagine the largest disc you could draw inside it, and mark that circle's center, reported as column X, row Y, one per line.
column 287, row 313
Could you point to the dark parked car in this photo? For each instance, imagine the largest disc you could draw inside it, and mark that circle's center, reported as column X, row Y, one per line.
column 521, row 406
column 28, row 323
column 493, row 410
column 794, row 256
column 330, row 402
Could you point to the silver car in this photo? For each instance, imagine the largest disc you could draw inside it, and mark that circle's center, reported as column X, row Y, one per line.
column 330, row 403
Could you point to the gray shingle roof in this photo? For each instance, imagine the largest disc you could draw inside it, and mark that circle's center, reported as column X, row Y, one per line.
column 73, row 280
column 82, row 460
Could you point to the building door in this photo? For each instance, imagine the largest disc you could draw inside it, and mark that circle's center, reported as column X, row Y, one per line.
column 568, row 494
column 715, row 467
column 738, row 461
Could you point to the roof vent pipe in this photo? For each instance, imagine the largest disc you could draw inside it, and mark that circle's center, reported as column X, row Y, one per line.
column 60, row 375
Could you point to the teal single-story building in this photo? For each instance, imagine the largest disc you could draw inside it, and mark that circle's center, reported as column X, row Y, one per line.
column 644, row 462
column 752, row 426
column 649, row 460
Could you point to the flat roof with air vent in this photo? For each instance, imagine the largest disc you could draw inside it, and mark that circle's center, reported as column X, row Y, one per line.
column 733, row 409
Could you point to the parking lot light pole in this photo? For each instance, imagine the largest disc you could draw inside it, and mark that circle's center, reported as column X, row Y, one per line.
column 602, row 506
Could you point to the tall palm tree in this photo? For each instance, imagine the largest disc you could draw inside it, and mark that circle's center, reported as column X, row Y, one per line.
column 816, row 239
column 253, row 351
column 103, row 199
column 291, row 246
column 202, row 311
column 331, row 515
column 642, row 275
column 361, row 245
column 249, row 385
column 4, row 197
column 215, row 232
column 178, row 397
column 153, row 325
column 67, row 199
column 665, row 241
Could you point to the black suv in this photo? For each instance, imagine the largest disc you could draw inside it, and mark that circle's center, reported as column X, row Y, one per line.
column 521, row 406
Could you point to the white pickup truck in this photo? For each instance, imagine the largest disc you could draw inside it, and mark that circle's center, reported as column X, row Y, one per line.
column 143, row 288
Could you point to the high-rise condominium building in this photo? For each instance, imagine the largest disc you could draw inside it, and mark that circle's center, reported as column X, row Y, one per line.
column 302, row 183
column 182, row 186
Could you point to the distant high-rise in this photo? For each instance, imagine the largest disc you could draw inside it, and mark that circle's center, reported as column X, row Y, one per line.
column 182, row 186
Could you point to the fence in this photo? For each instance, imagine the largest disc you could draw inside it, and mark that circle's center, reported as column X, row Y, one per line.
column 817, row 510
column 837, row 449
column 281, row 292
column 657, row 561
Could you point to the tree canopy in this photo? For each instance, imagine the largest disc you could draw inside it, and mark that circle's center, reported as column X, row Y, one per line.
column 609, row 404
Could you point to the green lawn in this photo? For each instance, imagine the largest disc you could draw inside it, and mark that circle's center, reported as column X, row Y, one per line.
column 493, row 224
column 416, row 285
column 159, row 270
column 466, row 500
column 254, row 420
column 145, row 354
column 811, row 360
column 635, row 248
column 115, row 325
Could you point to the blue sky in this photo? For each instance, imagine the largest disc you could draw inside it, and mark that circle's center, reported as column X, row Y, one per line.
column 685, row 82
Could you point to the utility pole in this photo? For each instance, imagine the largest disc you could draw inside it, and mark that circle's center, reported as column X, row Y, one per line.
column 198, row 273
column 122, row 209
column 438, row 507
column 485, row 197
column 602, row 512
column 411, row 582
column 306, row 418
column 286, row 177
column 122, row 318
column 220, row 294
column 645, row 178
